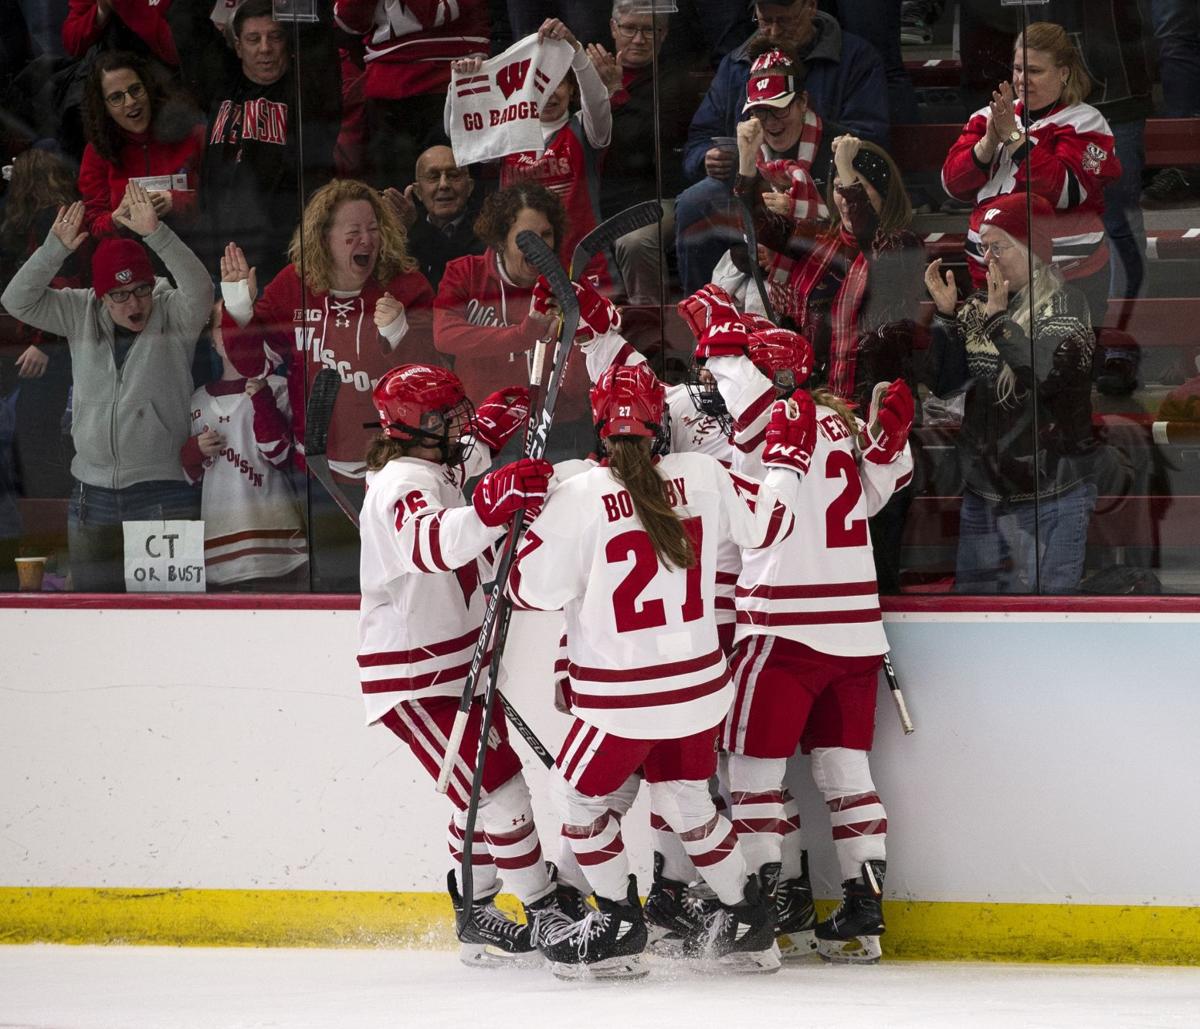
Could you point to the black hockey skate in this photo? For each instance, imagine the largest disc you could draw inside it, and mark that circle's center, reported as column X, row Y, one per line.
column 851, row 934
column 795, row 917
column 563, row 906
column 490, row 937
column 674, row 912
column 741, row 937
column 605, row 944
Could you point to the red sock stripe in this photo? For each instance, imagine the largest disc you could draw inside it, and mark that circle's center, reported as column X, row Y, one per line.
column 510, row 838
column 533, row 857
column 721, row 851
column 753, row 825
column 658, row 822
column 477, row 858
column 606, row 853
column 875, row 827
column 852, row 800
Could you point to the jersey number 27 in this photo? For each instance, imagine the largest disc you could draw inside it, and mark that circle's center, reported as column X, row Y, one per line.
column 632, row 614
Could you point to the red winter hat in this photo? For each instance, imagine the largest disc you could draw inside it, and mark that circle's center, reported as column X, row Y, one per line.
column 1010, row 213
column 769, row 84
column 118, row 264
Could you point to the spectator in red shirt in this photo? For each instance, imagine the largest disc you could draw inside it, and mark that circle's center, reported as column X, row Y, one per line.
column 134, row 132
column 120, row 24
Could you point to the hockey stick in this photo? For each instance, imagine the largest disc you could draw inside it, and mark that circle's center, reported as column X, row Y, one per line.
column 751, row 238
column 611, row 229
column 536, row 436
column 317, row 416
column 894, row 685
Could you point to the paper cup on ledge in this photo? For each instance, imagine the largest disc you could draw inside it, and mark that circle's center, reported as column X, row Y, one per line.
column 29, row 573
column 725, row 142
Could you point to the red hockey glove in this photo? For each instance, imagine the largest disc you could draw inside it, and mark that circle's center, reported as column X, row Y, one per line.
column 707, row 305
column 597, row 314
column 791, row 434
column 890, row 419
column 520, row 486
column 542, row 301
column 499, row 417
column 723, row 339
column 756, row 322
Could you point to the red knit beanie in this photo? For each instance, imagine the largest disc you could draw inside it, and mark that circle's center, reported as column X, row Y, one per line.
column 1009, row 213
column 118, row 264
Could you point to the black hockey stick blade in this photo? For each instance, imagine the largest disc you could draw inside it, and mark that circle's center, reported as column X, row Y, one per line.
column 751, row 238
column 610, row 230
column 323, row 394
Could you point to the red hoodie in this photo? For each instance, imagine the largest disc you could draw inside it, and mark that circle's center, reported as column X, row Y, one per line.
column 102, row 182
column 148, row 18
column 290, row 321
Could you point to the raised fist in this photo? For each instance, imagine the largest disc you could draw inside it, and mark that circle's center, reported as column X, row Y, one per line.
column 542, row 303
column 500, row 417
column 791, row 434
column 891, row 417
column 723, row 339
column 707, row 305
column 597, row 314
column 520, row 486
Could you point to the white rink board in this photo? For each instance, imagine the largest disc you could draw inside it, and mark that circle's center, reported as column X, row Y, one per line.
column 1052, row 761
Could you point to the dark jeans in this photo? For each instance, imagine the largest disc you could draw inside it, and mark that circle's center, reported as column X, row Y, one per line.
column 878, row 22
column 95, row 536
column 1123, row 219
column 1177, row 29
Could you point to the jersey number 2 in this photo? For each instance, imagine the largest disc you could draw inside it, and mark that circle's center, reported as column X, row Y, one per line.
column 632, row 615
column 840, row 529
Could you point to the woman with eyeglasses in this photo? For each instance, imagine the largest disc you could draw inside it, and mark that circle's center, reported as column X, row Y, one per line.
column 1028, row 455
column 135, row 133
column 1038, row 134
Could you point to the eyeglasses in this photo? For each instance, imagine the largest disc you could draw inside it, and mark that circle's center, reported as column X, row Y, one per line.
column 767, row 113
column 995, row 249
column 783, row 23
column 450, row 174
column 119, row 296
column 629, row 31
column 117, row 98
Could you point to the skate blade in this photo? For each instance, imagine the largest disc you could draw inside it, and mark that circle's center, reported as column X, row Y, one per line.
column 798, row 945
column 664, row 943
column 483, row 955
column 859, row 950
column 757, row 962
column 628, row 967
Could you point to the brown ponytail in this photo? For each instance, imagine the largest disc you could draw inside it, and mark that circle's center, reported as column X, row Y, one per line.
column 382, row 450
column 629, row 461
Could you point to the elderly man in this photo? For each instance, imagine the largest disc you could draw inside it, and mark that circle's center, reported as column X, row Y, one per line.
column 438, row 212
column 255, row 173
column 845, row 84
column 132, row 338
column 635, row 165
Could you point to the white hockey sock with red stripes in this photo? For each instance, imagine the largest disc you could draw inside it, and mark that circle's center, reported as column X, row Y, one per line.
column 512, row 837
column 857, row 815
column 707, row 836
column 483, row 868
column 676, row 863
column 600, row 851
column 791, row 847
column 757, row 795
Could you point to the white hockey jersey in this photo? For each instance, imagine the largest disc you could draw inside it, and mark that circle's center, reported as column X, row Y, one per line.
column 253, row 521
column 423, row 558
column 497, row 110
column 644, row 661
column 692, row 432
column 818, row 587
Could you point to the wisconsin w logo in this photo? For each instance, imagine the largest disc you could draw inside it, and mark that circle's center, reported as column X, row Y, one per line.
column 511, row 77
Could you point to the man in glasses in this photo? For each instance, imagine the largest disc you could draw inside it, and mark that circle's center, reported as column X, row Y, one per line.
column 845, row 83
column 132, row 338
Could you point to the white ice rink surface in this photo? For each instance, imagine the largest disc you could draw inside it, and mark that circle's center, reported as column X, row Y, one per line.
column 48, row 987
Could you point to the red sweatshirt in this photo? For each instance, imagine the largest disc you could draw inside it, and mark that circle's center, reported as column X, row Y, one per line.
column 290, row 322
column 481, row 320
column 102, row 182
column 410, row 43
column 148, row 18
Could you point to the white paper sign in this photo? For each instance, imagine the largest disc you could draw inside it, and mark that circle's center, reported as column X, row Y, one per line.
column 164, row 556
column 163, row 183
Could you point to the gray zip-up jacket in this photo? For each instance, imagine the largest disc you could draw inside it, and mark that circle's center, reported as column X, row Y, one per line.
column 128, row 424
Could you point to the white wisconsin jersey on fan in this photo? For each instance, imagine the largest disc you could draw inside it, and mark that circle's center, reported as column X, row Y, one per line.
column 423, row 558
column 819, row 586
column 253, row 522
column 692, row 432
column 645, row 662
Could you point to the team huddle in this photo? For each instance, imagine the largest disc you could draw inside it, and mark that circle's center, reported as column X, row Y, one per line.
column 720, row 609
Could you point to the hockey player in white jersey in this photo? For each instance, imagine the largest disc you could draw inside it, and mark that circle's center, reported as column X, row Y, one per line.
column 699, row 423
column 810, row 637
column 628, row 551
column 422, row 606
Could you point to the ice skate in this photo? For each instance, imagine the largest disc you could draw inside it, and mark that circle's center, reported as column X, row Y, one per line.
column 851, row 934
column 740, row 937
column 795, row 917
column 674, row 912
column 490, row 938
column 605, row 944
column 559, row 909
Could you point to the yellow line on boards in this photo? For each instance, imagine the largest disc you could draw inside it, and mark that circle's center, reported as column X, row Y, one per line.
column 917, row 930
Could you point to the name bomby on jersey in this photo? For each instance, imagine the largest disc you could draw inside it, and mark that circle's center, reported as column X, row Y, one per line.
column 620, row 504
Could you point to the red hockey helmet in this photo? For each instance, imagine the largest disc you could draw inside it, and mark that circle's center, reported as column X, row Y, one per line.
column 426, row 406
column 629, row 401
column 784, row 356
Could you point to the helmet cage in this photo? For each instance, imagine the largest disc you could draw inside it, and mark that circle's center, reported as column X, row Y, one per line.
column 706, row 398
column 448, row 429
